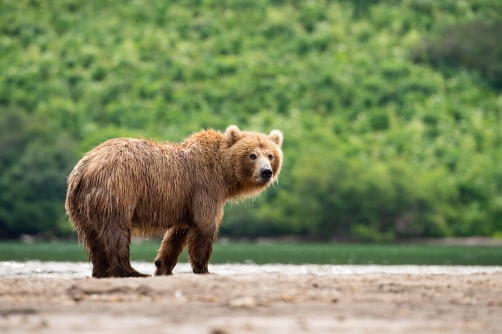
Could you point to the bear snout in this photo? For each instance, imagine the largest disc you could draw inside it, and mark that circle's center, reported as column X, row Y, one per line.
column 266, row 173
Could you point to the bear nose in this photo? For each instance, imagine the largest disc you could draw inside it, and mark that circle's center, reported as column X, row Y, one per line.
column 266, row 173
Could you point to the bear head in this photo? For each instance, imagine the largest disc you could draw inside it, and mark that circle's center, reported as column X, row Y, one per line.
column 255, row 159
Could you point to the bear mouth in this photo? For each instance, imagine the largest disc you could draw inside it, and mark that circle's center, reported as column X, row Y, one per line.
column 263, row 180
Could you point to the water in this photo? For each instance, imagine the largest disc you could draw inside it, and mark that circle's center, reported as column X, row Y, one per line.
column 50, row 269
column 293, row 253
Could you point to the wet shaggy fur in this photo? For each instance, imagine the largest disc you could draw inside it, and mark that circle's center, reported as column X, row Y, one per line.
column 127, row 187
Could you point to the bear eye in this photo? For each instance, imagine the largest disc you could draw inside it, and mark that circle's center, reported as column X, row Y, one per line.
column 252, row 156
column 270, row 157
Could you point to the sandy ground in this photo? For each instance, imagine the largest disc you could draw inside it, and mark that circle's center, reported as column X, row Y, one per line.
column 254, row 303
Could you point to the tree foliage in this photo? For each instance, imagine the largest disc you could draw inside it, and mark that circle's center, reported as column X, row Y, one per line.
column 379, row 142
column 33, row 164
column 475, row 45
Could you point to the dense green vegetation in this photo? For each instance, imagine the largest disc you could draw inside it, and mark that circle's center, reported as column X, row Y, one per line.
column 313, row 253
column 388, row 133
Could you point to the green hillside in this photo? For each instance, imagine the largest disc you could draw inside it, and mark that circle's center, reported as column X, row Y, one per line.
column 391, row 110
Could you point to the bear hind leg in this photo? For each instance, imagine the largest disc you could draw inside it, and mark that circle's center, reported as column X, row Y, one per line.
column 117, row 243
column 97, row 253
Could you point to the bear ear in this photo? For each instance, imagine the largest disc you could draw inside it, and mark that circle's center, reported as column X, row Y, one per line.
column 277, row 137
column 233, row 134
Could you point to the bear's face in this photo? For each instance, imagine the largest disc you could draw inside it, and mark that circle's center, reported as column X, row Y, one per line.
column 255, row 158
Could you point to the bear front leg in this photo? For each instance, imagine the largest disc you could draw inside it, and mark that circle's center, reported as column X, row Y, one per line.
column 200, row 247
column 207, row 213
column 167, row 256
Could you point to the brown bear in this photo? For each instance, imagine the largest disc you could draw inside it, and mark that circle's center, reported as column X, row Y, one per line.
column 126, row 187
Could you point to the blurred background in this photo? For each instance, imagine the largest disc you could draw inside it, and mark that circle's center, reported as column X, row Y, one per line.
column 391, row 109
